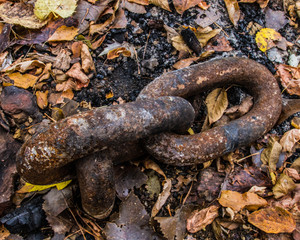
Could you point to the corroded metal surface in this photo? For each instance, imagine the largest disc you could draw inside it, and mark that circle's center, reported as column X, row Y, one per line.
column 183, row 150
column 96, row 130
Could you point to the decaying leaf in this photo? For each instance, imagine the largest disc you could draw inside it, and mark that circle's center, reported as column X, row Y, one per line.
column 239, row 110
column 62, row 8
column 199, row 219
column 233, row 10
column 216, row 103
column 63, row 33
column 238, row 201
column 87, row 62
column 33, row 188
column 283, row 186
column 162, row 198
column 42, row 99
column 76, row 73
column 289, row 140
column 290, row 78
column 23, row 80
column 62, row 60
column 153, row 184
column 273, row 220
column 270, row 155
column 266, row 37
column 20, row 14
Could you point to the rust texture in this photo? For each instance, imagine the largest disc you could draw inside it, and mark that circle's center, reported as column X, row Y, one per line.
column 183, row 150
column 96, row 177
column 96, row 130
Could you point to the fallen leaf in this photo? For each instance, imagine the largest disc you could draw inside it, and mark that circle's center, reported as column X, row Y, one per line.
column 289, row 140
column 153, row 185
column 185, row 62
column 289, row 107
column 262, row 3
column 62, row 60
column 296, row 122
column 216, row 103
column 42, row 99
column 266, row 37
column 141, row 2
column 162, row 198
column 62, row 8
column 149, row 164
column 283, row 186
column 24, row 66
column 199, row 219
column 183, row 5
column 4, row 39
column 273, row 220
column 120, row 20
column 270, row 155
column 164, row 4
column 289, row 77
column 135, row 8
column 296, row 164
column 233, row 10
column 33, row 188
column 238, row 201
column 20, row 14
column 23, row 80
column 87, row 62
column 292, row 173
column 76, row 73
column 117, row 52
column 98, row 43
column 63, row 33
column 203, row 5
column 240, row 110
column 218, row 44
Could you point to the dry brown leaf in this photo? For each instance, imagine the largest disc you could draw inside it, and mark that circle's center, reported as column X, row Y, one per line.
column 183, row 5
column 289, row 140
column 66, row 94
column 141, row 2
column 24, row 66
column 218, row 44
column 216, row 103
column 120, row 20
column 164, row 4
column 162, row 198
column 203, row 5
column 76, row 49
column 149, row 164
column 296, row 122
column 87, row 62
column 292, row 173
column 273, row 220
column 62, row 60
column 289, row 107
column 23, row 80
column 20, row 14
column 98, row 43
column 185, row 62
column 135, row 8
column 283, row 186
column 290, row 78
column 63, row 33
column 233, row 10
column 296, row 164
column 270, row 155
column 76, row 73
column 64, row 86
column 4, row 233
column 239, row 110
column 117, row 52
column 238, row 201
column 199, row 219
column 42, row 99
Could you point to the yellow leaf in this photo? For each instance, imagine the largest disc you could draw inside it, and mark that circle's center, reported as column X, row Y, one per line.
column 63, row 8
column 64, row 33
column 296, row 122
column 216, row 103
column 109, row 95
column 20, row 14
column 191, row 131
column 23, row 80
column 265, row 37
column 28, row 187
column 273, row 220
column 42, row 99
column 270, row 155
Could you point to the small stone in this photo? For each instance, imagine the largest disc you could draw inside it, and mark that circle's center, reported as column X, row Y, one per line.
column 294, row 60
column 274, row 55
column 275, row 19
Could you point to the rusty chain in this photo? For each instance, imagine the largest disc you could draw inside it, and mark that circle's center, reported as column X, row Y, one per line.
column 99, row 138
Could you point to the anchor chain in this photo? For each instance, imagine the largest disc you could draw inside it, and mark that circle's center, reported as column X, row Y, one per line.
column 99, row 138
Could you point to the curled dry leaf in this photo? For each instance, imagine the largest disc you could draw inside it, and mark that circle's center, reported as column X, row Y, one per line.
column 86, row 59
column 20, row 14
column 216, row 103
column 233, row 10
column 296, row 122
column 117, row 52
column 62, row 8
column 42, row 99
column 238, row 201
column 164, row 4
column 239, row 110
column 149, row 164
column 273, row 220
column 63, row 33
column 290, row 139
column 162, row 198
column 283, row 186
column 199, row 219
column 292, row 173
column 185, row 62
column 290, row 78
column 24, row 66
column 183, row 5
column 266, row 37
column 76, row 73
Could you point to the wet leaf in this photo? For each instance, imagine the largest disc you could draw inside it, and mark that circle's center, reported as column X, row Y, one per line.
column 283, row 186
column 117, row 52
column 289, row 77
column 87, row 62
column 20, row 14
column 216, row 103
column 273, row 220
column 265, row 38
column 62, row 8
column 33, row 188
column 233, row 10
column 63, row 33
column 23, row 80
column 199, row 219
column 238, row 201
column 42, row 99
column 290, row 139
column 162, row 198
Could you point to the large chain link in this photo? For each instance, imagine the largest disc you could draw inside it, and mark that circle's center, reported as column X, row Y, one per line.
column 108, row 135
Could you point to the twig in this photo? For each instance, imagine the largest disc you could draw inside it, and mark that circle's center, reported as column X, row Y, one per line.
column 146, row 44
column 241, row 159
column 221, row 29
column 184, row 200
